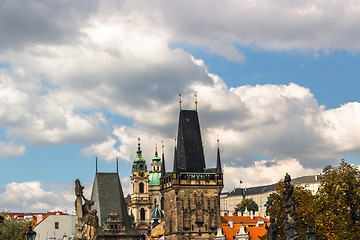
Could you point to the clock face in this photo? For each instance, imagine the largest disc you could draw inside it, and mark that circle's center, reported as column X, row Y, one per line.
column 141, row 174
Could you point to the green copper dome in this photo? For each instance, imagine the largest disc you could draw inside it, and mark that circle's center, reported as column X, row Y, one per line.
column 154, row 178
column 155, row 172
column 157, row 213
column 139, row 162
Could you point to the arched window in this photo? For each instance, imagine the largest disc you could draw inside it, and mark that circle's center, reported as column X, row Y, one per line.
column 142, row 214
column 141, row 187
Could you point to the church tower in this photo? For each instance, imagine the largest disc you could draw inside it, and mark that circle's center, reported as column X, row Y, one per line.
column 191, row 191
column 154, row 180
column 140, row 199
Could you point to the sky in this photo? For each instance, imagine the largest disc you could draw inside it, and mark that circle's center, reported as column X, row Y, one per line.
column 277, row 83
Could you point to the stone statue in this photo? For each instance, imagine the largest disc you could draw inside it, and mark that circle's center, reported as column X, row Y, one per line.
column 272, row 230
column 290, row 217
column 88, row 222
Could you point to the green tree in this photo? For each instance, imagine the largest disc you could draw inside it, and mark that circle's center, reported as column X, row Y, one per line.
column 269, row 203
column 248, row 204
column 338, row 203
column 304, row 208
column 12, row 229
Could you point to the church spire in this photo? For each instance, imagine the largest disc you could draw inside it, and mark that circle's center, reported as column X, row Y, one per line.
column 218, row 160
column 139, row 162
column 163, row 161
column 175, row 167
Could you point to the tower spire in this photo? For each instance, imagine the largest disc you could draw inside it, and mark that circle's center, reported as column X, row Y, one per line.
column 175, row 167
column 163, row 161
column 117, row 165
column 139, row 162
column 218, row 161
column 196, row 101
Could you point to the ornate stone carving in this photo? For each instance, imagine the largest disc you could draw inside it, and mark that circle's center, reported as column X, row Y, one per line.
column 290, row 217
column 88, row 222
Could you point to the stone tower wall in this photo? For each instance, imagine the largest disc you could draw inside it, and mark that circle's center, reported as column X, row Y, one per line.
column 192, row 205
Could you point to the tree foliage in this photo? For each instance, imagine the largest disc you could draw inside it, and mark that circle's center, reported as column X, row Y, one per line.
column 247, row 204
column 338, row 203
column 334, row 212
column 12, row 229
column 304, row 208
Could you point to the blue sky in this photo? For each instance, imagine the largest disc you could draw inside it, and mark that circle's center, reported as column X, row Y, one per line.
column 280, row 89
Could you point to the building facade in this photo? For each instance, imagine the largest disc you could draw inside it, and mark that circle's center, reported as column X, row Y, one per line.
column 56, row 227
column 191, row 191
column 229, row 200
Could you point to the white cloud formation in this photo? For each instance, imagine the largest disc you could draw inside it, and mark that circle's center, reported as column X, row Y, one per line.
column 264, row 172
column 33, row 197
column 36, row 114
column 10, row 149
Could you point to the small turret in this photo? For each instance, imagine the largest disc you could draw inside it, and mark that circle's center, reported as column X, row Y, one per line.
column 175, row 167
column 156, row 216
column 155, row 171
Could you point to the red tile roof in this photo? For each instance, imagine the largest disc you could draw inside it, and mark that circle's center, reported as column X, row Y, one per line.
column 254, row 232
column 243, row 219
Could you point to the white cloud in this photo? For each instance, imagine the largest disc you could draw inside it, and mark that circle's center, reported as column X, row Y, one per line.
column 9, row 149
column 37, row 114
column 264, row 172
column 32, row 196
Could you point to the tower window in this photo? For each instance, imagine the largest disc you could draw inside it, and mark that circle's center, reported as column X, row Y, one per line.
column 141, row 187
column 142, row 214
column 57, row 225
column 162, row 203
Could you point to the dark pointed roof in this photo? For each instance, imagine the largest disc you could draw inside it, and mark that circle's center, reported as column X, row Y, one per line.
column 108, row 196
column 176, row 164
column 163, row 165
column 218, row 162
column 190, row 155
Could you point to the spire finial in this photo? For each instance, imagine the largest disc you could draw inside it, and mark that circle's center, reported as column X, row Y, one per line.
column 117, row 165
column 96, row 165
column 156, row 151
column 139, row 144
column 196, row 101
column 218, row 160
column 180, row 100
column 163, row 161
column 217, row 136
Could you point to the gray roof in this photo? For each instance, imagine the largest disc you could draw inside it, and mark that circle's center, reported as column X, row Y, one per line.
column 108, row 196
column 268, row 188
